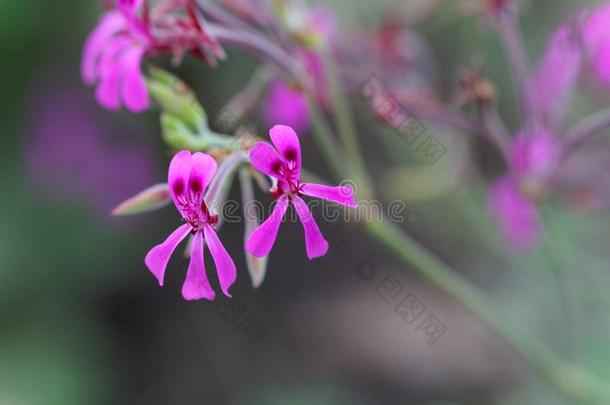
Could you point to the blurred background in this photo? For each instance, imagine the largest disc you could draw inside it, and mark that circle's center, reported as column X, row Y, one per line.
column 83, row 322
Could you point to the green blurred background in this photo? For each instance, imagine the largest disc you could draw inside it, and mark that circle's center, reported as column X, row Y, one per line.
column 83, row 322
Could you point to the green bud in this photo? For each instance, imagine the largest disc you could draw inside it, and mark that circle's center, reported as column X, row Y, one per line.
column 176, row 98
column 150, row 199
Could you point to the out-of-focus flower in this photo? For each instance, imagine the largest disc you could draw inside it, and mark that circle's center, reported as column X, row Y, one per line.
column 556, row 74
column 112, row 57
column 533, row 161
column 287, row 105
column 188, row 178
column 283, row 163
column 400, row 57
column 516, row 214
column 596, row 38
column 113, row 52
column 311, row 29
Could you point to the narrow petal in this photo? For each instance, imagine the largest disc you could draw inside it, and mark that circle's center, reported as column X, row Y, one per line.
column 315, row 244
column 108, row 91
column 135, row 92
column 286, row 105
column 340, row 194
column 262, row 238
column 157, row 258
column 266, row 159
column 109, row 24
column 196, row 285
column 515, row 214
column 225, row 267
column 287, row 143
column 178, row 174
column 204, row 167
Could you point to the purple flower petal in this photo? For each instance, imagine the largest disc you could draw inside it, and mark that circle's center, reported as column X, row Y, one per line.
column 262, row 239
column 135, row 93
column 556, row 73
column 287, row 143
column 315, row 244
column 96, row 43
column 178, row 174
column 109, row 89
column 196, row 284
column 516, row 215
column 266, row 160
column 203, row 166
column 157, row 258
column 534, row 155
column 340, row 194
column 225, row 266
column 286, row 105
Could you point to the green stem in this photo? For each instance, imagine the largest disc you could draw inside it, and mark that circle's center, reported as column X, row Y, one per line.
column 343, row 117
column 568, row 379
column 572, row 381
column 323, row 135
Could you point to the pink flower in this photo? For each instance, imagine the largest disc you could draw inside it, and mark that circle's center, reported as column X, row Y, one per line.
column 286, row 105
column 534, row 156
column 113, row 53
column 533, row 160
column 596, row 38
column 556, row 74
column 284, row 164
column 188, row 178
column 516, row 215
column 112, row 56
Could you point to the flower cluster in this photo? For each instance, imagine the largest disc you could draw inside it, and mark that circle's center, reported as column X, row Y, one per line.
column 188, row 178
column 114, row 51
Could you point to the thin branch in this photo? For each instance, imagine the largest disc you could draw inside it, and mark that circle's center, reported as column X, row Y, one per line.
column 511, row 36
column 585, row 130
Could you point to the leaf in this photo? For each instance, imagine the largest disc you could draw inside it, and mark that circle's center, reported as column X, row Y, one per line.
column 257, row 266
column 152, row 198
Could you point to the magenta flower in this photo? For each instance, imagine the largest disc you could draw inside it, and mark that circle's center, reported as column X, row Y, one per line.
column 533, row 160
column 534, row 157
column 283, row 163
column 112, row 56
column 596, row 38
column 113, row 53
column 516, row 214
column 556, row 74
column 287, row 105
column 188, row 178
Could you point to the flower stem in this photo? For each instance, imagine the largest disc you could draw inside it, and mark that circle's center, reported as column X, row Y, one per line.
column 343, row 117
column 571, row 381
column 585, row 130
column 568, row 379
column 517, row 57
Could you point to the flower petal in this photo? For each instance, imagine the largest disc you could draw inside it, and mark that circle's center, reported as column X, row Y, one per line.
column 96, row 43
column 516, row 215
column 315, row 244
column 262, row 238
column 340, row 194
column 108, row 91
column 196, row 284
column 135, row 92
column 266, row 160
column 225, row 267
column 157, row 258
column 203, row 166
column 287, row 143
column 286, row 105
column 178, row 174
